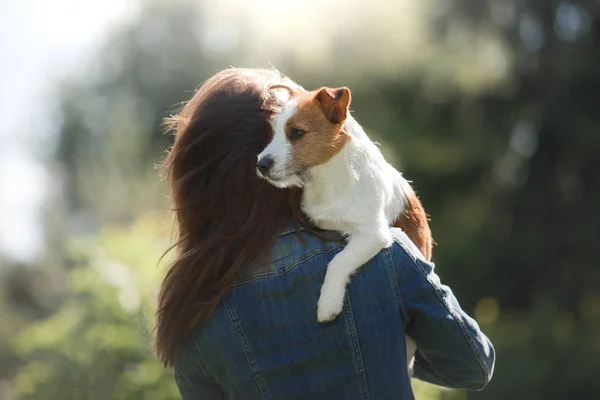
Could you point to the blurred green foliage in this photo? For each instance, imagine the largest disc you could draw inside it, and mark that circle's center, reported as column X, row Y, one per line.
column 490, row 108
column 98, row 344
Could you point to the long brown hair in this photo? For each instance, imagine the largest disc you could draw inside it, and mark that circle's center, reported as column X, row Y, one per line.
column 226, row 216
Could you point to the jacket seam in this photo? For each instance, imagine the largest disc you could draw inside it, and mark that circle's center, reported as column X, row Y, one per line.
column 359, row 364
column 394, row 282
column 287, row 268
column 198, row 357
column 241, row 336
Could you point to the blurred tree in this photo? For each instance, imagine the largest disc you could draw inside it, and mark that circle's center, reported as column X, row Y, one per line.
column 98, row 345
column 111, row 137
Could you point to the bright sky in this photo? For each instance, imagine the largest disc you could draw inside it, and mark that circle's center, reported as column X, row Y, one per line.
column 41, row 42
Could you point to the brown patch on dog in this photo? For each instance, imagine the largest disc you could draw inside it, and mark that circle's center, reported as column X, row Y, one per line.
column 413, row 221
column 334, row 103
column 321, row 115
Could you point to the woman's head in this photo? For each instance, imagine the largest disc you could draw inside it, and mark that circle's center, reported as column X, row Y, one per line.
column 226, row 215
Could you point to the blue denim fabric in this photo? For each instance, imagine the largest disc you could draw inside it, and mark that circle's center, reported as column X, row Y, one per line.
column 264, row 341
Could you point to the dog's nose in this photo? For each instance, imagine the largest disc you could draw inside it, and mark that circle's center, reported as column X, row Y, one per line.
column 265, row 164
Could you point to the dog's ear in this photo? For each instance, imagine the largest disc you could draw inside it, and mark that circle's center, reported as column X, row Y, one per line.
column 334, row 103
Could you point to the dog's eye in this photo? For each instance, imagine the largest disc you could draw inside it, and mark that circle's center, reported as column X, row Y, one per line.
column 296, row 134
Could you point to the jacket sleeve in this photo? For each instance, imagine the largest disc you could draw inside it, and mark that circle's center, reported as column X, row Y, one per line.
column 451, row 349
column 192, row 382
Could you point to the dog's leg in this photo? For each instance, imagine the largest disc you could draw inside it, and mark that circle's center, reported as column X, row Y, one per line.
column 362, row 246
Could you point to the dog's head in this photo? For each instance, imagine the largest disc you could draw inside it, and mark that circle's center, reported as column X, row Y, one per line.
column 307, row 132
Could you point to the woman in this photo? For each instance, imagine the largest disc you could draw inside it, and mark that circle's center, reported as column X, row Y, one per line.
column 237, row 308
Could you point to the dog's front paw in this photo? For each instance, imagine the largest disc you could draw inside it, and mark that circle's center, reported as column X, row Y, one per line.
column 330, row 303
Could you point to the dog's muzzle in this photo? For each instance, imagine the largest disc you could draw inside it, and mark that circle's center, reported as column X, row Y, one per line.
column 265, row 164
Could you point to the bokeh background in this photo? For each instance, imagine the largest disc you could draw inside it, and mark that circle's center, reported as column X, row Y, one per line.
column 490, row 107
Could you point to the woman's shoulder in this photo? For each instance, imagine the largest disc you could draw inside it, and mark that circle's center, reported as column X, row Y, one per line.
column 297, row 246
column 292, row 248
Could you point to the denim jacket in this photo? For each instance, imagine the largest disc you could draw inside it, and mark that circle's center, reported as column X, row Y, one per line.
column 264, row 341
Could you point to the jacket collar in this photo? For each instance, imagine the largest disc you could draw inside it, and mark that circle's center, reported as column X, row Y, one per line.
column 290, row 228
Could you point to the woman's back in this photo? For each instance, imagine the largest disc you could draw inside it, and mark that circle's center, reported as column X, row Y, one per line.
column 257, row 337
column 264, row 341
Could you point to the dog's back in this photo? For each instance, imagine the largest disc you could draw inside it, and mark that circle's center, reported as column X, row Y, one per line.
column 404, row 209
column 413, row 221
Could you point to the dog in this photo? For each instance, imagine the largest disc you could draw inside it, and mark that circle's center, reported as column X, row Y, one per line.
column 347, row 185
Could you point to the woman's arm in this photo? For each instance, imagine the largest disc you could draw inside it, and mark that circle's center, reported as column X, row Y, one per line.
column 451, row 349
